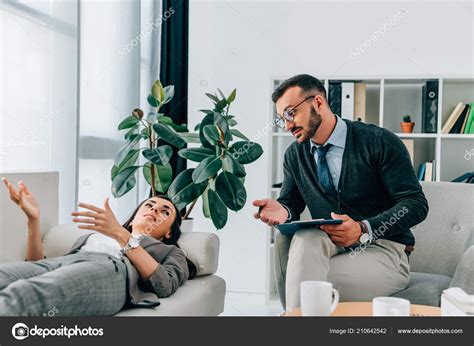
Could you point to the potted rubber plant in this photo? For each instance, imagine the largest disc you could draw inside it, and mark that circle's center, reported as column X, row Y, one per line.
column 156, row 170
column 407, row 125
column 222, row 155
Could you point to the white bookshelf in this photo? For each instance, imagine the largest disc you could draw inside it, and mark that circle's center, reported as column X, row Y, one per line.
column 388, row 99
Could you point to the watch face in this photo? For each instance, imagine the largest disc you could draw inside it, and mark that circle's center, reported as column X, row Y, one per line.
column 364, row 238
column 134, row 242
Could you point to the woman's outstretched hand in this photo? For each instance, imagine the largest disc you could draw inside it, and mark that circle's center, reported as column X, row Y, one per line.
column 24, row 199
column 101, row 220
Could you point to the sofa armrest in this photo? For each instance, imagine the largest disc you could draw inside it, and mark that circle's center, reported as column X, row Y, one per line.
column 464, row 274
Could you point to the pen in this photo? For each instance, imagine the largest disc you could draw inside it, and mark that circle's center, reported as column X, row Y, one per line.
column 259, row 210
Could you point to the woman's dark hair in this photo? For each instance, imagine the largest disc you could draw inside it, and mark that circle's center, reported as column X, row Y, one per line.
column 175, row 231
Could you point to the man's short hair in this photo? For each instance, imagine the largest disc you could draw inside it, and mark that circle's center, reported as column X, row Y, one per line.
column 306, row 82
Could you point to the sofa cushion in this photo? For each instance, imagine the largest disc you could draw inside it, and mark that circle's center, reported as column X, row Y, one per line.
column 442, row 238
column 202, row 296
column 425, row 289
column 201, row 248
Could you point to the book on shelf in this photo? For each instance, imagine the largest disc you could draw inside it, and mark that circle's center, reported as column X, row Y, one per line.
column 359, row 101
column 427, row 171
column 463, row 127
column 469, row 129
column 409, row 144
column 421, row 172
column 455, row 114
column 348, row 99
column 461, row 120
column 429, row 119
column 334, row 97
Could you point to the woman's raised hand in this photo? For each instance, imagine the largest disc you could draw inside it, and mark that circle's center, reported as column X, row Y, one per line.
column 24, row 199
column 100, row 220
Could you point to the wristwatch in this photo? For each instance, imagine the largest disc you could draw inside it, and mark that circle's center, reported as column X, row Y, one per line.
column 133, row 243
column 364, row 237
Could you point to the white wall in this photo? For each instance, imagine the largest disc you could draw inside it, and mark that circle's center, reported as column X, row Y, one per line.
column 244, row 44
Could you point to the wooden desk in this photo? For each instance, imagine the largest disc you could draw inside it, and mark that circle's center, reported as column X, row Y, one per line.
column 365, row 309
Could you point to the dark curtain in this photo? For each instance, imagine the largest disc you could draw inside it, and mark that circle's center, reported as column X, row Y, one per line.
column 174, row 66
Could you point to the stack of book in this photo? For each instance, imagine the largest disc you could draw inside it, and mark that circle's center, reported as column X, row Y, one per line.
column 348, row 99
column 426, row 172
column 461, row 120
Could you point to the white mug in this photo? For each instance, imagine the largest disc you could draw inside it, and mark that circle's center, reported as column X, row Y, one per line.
column 317, row 298
column 390, row 306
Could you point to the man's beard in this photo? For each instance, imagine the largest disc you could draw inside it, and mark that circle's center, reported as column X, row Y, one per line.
column 313, row 125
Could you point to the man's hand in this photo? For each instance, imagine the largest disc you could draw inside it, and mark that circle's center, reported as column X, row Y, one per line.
column 345, row 234
column 272, row 212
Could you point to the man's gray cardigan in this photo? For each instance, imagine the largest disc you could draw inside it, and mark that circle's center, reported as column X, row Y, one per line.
column 171, row 273
column 377, row 184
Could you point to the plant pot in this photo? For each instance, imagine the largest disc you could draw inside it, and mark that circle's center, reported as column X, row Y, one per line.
column 407, row 127
column 187, row 225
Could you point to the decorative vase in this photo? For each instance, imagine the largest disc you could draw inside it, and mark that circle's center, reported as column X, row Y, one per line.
column 407, row 127
column 187, row 225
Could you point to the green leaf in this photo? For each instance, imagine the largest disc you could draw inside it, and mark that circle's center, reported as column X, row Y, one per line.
column 157, row 91
column 231, row 191
column 207, row 120
column 129, row 160
column 189, row 137
column 218, row 211
column 168, row 135
column 163, row 176
column 212, row 97
column 159, row 156
column 168, row 121
column 152, row 101
column 212, row 134
column 131, row 132
column 125, row 149
column 246, row 152
column 222, row 124
column 207, row 168
column 128, row 122
column 151, row 117
column 220, row 92
column 206, row 111
column 231, row 122
column 229, row 164
column 221, row 105
column 232, row 96
column 196, row 128
column 169, row 93
column 239, row 134
column 124, row 181
column 205, row 205
column 183, row 190
column 196, row 154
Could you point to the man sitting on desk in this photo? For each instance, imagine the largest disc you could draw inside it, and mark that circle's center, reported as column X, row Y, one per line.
column 340, row 169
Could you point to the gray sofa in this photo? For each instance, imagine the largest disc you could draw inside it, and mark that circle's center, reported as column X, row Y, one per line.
column 202, row 296
column 444, row 249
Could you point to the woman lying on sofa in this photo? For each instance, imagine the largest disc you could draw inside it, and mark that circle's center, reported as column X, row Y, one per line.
column 114, row 267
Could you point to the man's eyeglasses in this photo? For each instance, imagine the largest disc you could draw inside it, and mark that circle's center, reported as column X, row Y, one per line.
column 289, row 114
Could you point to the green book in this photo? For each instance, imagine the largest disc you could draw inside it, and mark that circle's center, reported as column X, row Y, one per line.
column 469, row 129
